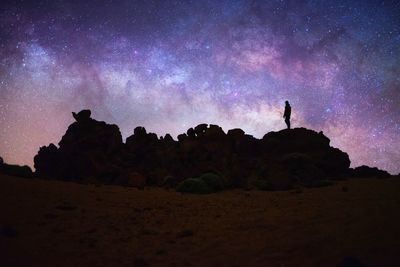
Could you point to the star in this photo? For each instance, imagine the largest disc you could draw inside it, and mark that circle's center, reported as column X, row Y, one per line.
column 170, row 65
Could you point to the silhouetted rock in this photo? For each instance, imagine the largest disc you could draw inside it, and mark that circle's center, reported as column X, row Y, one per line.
column 182, row 137
column 16, row 170
column 214, row 132
column 93, row 151
column 334, row 162
column 47, row 161
column 301, row 167
column 88, row 149
column 235, row 133
column 191, row 133
column 168, row 138
column 141, row 140
column 365, row 171
column 82, row 116
column 1, row 164
column 305, row 154
column 295, row 140
column 200, row 129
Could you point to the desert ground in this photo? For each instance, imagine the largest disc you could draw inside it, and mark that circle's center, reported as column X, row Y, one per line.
column 54, row 223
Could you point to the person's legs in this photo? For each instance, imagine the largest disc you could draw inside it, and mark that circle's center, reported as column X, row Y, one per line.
column 287, row 123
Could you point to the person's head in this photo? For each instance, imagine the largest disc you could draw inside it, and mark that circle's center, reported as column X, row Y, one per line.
column 287, row 102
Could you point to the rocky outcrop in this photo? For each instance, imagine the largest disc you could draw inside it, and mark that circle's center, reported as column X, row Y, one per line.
column 365, row 171
column 88, row 150
column 93, row 151
column 304, row 155
column 15, row 170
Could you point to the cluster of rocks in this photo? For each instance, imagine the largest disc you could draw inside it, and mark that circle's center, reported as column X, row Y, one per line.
column 15, row 170
column 366, row 171
column 93, row 151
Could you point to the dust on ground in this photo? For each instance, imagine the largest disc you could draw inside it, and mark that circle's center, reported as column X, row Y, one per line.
column 53, row 223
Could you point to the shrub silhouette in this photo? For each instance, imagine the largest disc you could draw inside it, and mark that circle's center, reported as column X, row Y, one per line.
column 16, row 170
column 207, row 183
column 213, row 180
column 194, row 185
column 262, row 185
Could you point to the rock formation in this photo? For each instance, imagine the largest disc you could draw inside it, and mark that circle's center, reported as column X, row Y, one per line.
column 93, row 151
column 88, row 150
column 15, row 170
column 365, row 171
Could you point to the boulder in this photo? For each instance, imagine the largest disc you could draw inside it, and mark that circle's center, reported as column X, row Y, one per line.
column 182, row 137
column 47, row 162
column 139, row 131
column 214, row 132
column 200, row 129
column 191, row 133
column 141, row 141
column 82, row 116
column 168, row 138
column 235, row 133
column 295, row 140
column 328, row 160
column 86, row 150
column 334, row 162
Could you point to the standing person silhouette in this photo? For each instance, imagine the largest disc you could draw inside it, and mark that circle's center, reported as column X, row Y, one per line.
column 286, row 114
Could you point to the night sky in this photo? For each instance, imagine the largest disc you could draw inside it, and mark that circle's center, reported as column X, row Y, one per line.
column 170, row 65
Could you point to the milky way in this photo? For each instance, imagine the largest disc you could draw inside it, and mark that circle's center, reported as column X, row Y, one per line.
column 170, row 65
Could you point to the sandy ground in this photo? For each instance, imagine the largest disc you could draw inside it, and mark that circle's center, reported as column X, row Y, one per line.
column 52, row 223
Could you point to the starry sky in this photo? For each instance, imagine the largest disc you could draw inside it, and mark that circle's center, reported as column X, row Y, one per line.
column 170, row 65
